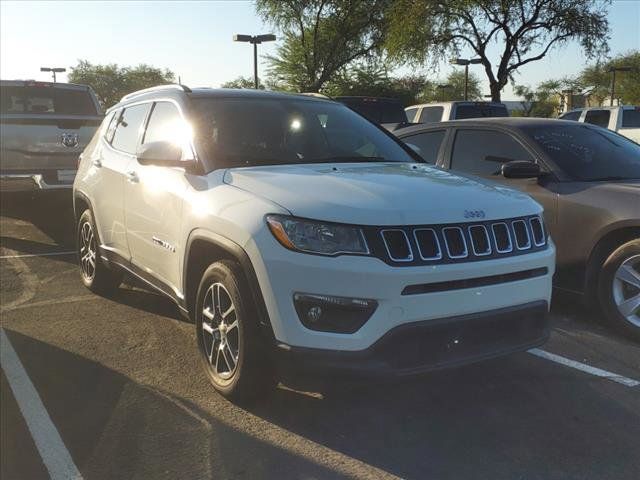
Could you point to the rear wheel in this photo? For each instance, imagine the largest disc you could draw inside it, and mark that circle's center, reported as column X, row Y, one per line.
column 619, row 288
column 232, row 353
column 96, row 276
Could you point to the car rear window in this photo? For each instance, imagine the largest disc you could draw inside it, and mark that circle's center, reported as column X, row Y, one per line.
column 46, row 101
column 431, row 114
column 598, row 117
column 574, row 116
column 480, row 111
column 631, row 118
column 377, row 110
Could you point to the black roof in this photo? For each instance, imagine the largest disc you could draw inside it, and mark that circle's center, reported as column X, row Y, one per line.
column 503, row 122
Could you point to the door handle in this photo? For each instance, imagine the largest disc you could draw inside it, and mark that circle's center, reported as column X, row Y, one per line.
column 132, row 177
column 96, row 162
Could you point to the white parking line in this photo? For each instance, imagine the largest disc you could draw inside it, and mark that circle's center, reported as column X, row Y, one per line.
column 37, row 254
column 55, row 455
column 614, row 377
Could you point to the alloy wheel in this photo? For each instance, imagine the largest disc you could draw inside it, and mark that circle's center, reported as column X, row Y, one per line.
column 221, row 335
column 87, row 251
column 626, row 289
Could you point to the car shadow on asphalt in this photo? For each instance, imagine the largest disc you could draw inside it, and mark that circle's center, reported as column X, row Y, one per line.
column 116, row 428
column 50, row 212
column 134, row 293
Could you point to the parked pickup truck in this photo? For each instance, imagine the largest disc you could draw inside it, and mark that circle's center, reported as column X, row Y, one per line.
column 624, row 120
column 45, row 127
column 386, row 112
column 444, row 111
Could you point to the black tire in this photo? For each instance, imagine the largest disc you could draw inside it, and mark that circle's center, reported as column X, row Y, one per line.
column 611, row 290
column 95, row 275
column 252, row 375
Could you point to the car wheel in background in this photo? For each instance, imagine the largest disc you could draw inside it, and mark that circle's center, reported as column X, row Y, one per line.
column 619, row 288
column 96, row 276
column 234, row 358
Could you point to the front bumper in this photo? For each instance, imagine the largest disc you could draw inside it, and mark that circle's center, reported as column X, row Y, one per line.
column 428, row 345
column 26, row 182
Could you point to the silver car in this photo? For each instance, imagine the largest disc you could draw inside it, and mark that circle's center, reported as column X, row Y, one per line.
column 43, row 129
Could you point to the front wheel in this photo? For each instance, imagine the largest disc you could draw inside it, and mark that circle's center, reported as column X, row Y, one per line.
column 96, row 276
column 619, row 288
column 234, row 358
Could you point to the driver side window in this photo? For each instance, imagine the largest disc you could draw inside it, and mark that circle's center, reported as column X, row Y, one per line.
column 167, row 125
column 482, row 152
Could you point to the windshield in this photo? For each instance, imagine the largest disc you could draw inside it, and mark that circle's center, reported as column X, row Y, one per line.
column 47, row 100
column 239, row 132
column 588, row 153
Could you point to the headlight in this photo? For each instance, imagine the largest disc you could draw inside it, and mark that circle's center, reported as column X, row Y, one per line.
column 317, row 237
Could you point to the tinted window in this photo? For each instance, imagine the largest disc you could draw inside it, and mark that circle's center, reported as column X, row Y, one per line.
column 411, row 114
column 631, row 118
column 234, row 133
column 483, row 152
column 125, row 137
column 598, row 117
column 575, row 116
column 431, row 114
column 46, row 100
column 586, row 153
column 480, row 110
column 429, row 144
column 377, row 110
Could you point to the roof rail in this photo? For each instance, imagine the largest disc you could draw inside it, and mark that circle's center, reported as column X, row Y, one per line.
column 174, row 86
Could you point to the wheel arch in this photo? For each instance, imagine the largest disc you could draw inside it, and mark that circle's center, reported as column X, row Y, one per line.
column 204, row 248
column 616, row 235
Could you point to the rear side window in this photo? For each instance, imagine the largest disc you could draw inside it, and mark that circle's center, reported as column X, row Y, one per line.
column 46, row 101
column 125, row 137
column 631, row 118
column 411, row 114
column 431, row 114
column 482, row 152
column 113, row 122
column 598, row 117
column 575, row 116
column 429, row 144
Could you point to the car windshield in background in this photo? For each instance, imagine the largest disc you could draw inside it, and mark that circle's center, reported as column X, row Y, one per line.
column 480, row 111
column 587, row 153
column 46, row 100
column 236, row 132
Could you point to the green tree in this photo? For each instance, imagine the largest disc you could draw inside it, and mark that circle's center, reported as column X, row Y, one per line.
column 452, row 88
column 321, row 37
column 111, row 82
column 242, row 82
column 370, row 79
column 526, row 30
column 596, row 79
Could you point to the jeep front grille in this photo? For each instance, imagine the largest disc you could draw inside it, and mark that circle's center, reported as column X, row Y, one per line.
column 451, row 243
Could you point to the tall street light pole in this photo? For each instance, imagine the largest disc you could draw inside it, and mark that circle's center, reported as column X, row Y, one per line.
column 255, row 40
column 613, row 70
column 53, row 70
column 466, row 62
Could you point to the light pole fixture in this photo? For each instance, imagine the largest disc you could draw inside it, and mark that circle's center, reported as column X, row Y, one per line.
column 613, row 70
column 53, row 70
column 442, row 87
column 255, row 40
column 466, row 62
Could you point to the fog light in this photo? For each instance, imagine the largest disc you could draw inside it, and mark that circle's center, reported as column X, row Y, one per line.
column 328, row 313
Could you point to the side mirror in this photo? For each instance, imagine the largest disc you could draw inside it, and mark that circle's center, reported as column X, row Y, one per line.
column 163, row 154
column 520, row 169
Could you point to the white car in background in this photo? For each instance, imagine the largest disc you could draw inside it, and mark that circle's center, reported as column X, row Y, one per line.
column 624, row 120
column 444, row 111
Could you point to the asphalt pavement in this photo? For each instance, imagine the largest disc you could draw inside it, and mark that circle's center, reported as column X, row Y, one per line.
column 112, row 387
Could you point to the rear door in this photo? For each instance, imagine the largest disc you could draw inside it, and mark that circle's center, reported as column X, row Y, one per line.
column 45, row 127
column 154, row 198
column 482, row 152
column 119, row 147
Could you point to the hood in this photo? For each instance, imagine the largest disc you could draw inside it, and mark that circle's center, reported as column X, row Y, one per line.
column 381, row 193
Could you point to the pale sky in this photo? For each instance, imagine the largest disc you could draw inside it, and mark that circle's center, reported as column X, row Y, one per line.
column 194, row 39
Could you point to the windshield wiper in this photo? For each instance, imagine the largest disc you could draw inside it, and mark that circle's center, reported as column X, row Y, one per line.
column 609, row 179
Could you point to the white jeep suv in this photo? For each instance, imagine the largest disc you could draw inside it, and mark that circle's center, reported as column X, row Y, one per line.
column 301, row 238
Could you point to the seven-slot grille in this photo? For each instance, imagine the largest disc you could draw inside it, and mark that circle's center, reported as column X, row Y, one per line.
column 465, row 242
